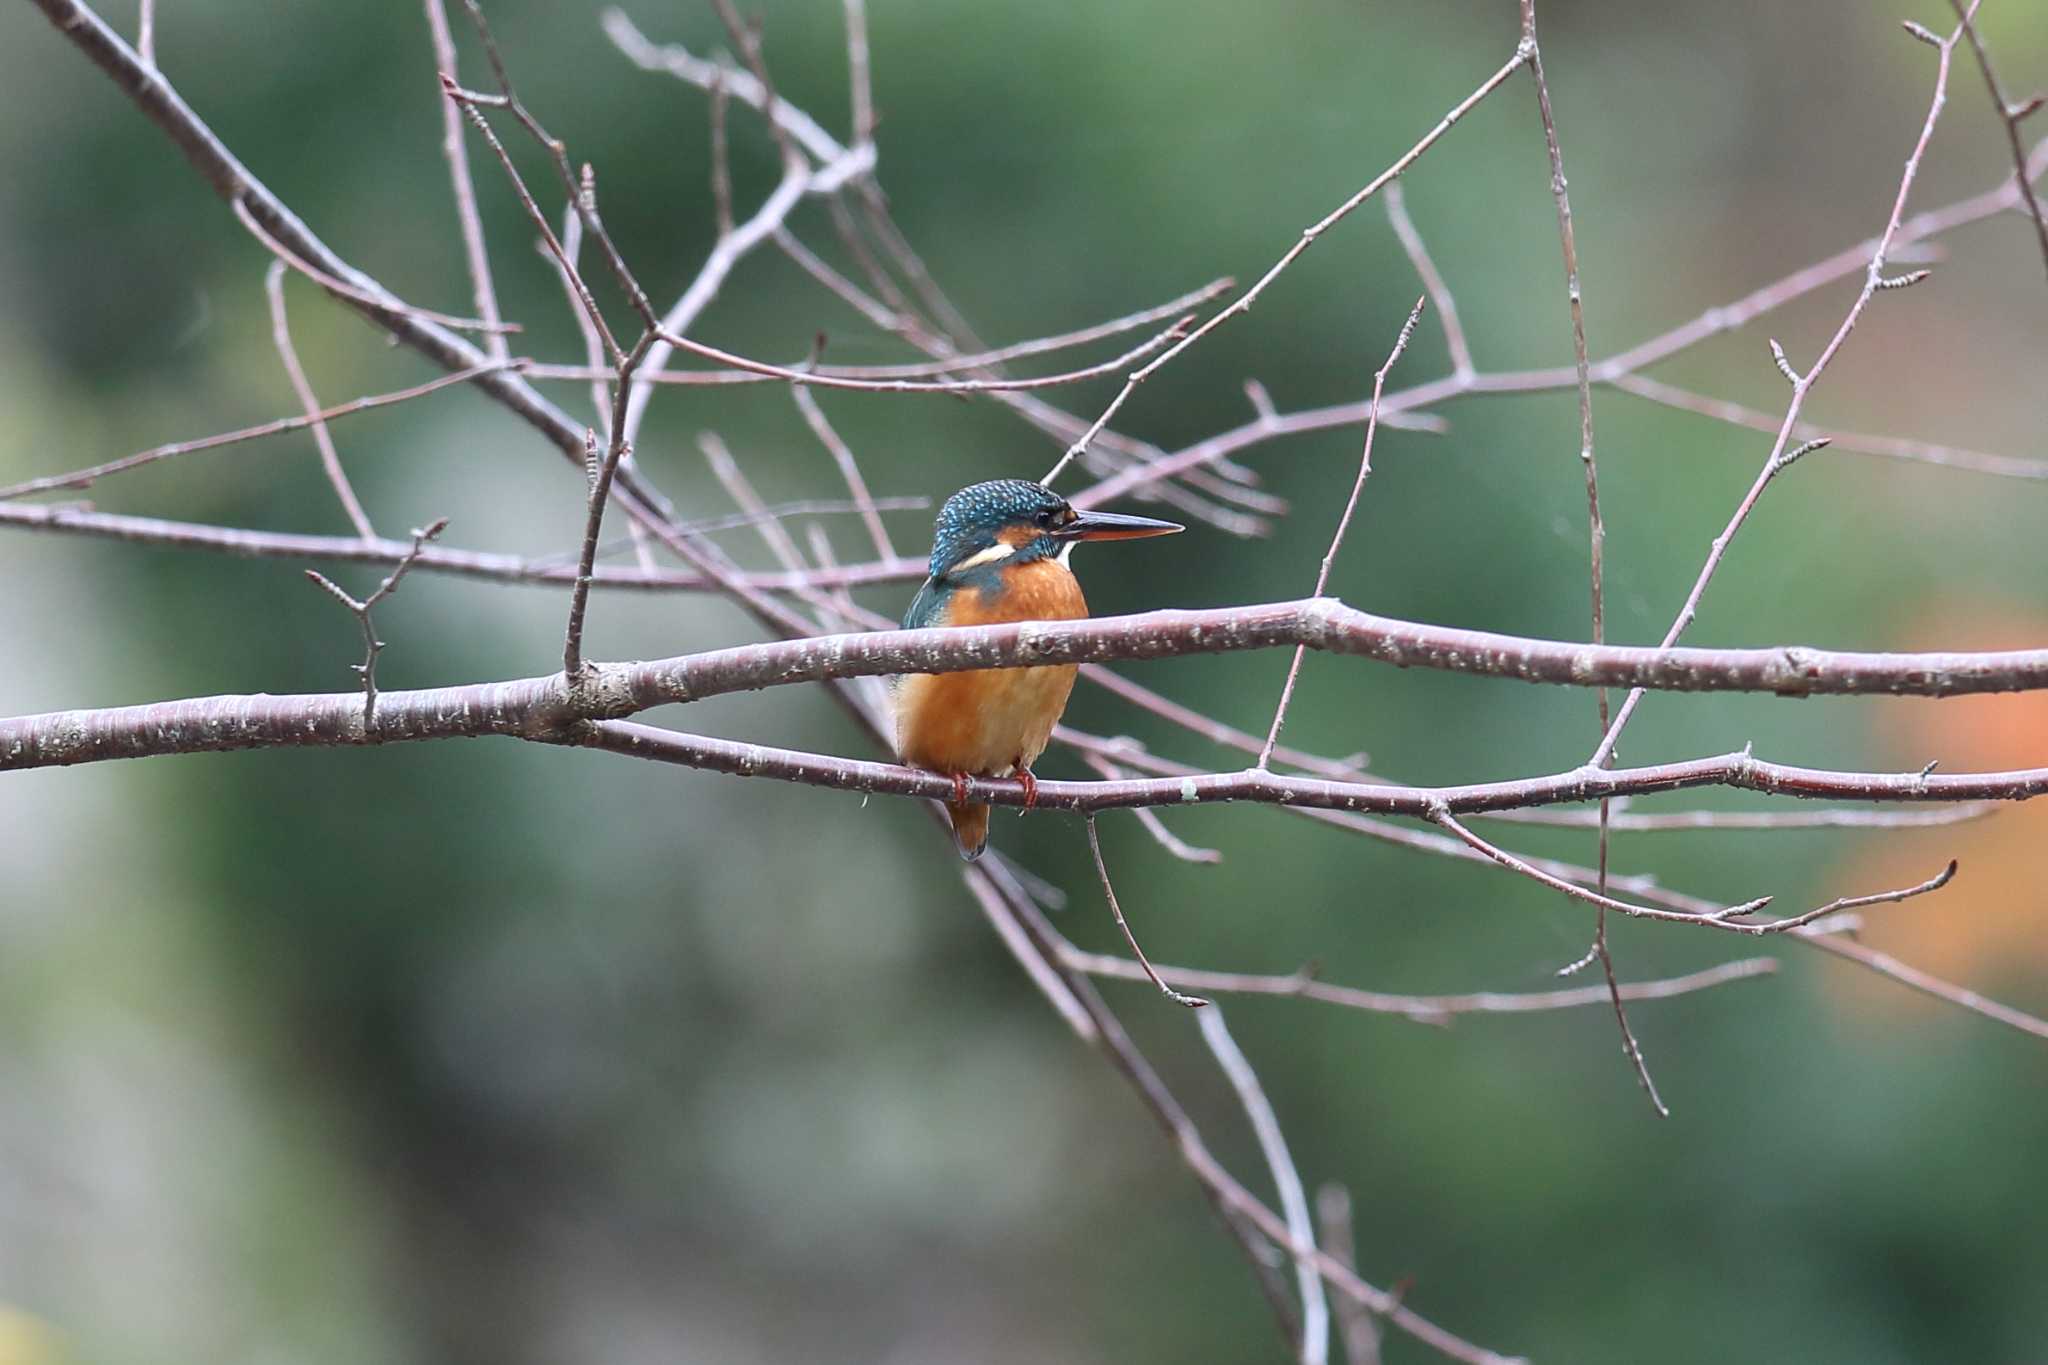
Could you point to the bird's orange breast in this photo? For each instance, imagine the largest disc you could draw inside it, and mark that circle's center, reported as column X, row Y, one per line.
column 991, row 722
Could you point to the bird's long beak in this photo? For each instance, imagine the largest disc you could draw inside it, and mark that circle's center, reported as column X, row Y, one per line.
column 1114, row 526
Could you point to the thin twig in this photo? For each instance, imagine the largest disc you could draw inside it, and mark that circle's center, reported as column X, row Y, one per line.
column 1013, row 937
column 1247, row 1218
column 859, row 78
column 333, row 284
column 330, row 459
column 955, row 364
column 372, row 646
column 85, row 478
column 1421, row 1009
column 1666, row 821
column 1251, row 1096
column 602, row 472
column 1904, row 893
column 2009, row 116
column 1802, row 387
column 849, row 469
column 581, row 189
column 1715, row 321
column 1372, row 424
column 1109, row 893
column 1595, row 526
column 75, row 519
column 825, row 379
column 1432, row 282
column 1215, row 731
column 721, row 162
column 1442, row 816
column 1043, row 415
column 475, row 254
column 727, row 471
column 844, row 609
column 1884, row 964
column 1243, row 302
column 599, row 373
column 1149, row 818
column 736, row 484
column 1355, row 1325
column 469, row 102
column 1891, row 447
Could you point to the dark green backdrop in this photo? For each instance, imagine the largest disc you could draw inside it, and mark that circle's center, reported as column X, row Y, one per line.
column 483, row 1052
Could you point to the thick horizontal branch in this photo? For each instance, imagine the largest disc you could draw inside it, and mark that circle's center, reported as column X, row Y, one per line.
column 548, row 709
column 545, row 707
column 1327, row 624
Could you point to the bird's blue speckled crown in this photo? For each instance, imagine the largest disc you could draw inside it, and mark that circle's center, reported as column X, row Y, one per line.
column 968, row 523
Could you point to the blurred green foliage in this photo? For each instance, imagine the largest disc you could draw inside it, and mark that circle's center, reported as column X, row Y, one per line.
column 484, row 1052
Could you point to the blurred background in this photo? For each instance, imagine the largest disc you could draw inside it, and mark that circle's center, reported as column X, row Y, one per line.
column 467, row 1052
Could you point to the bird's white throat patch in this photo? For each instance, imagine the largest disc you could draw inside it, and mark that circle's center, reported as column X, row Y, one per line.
column 998, row 552
column 994, row 554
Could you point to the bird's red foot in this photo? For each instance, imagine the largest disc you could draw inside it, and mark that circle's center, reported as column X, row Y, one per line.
column 1030, row 787
column 959, row 789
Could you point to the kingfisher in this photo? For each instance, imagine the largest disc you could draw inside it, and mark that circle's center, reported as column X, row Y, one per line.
column 999, row 553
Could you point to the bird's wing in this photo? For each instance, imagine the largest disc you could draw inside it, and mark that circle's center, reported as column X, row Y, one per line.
column 927, row 606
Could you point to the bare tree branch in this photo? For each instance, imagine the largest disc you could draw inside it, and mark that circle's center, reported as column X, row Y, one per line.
column 85, row 478
column 1356, row 1327
column 1315, row 1307
column 585, row 705
column 1802, row 386
column 2009, row 116
column 361, row 610
column 1421, row 1009
column 1124, row 927
column 1715, row 321
column 1243, row 302
column 80, row 520
column 330, row 459
column 1372, row 426
column 1246, row 1217
column 531, row 706
column 470, row 222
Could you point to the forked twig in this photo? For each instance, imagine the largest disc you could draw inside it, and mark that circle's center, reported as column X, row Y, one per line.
column 372, row 646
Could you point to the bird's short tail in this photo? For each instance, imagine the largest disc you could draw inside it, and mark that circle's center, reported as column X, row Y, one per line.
column 970, row 828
